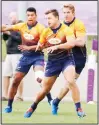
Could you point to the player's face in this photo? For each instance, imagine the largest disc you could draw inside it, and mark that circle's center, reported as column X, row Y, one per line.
column 52, row 20
column 68, row 14
column 31, row 18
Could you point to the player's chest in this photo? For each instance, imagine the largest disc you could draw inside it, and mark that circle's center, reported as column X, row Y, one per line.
column 30, row 36
column 56, row 38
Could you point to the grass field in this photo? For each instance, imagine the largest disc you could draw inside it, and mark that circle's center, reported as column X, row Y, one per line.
column 43, row 114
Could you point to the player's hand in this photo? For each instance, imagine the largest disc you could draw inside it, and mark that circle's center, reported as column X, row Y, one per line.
column 39, row 46
column 52, row 49
column 3, row 28
column 24, row 48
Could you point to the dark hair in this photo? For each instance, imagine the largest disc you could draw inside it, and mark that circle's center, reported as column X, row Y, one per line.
column 31, row 9
column 53, row 11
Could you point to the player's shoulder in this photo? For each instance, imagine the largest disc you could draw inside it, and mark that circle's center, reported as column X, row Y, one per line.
column 65, row 27
column 21, row 24
column 18, row 25
column 40, row 25
column 46, row 30
column 78, row 22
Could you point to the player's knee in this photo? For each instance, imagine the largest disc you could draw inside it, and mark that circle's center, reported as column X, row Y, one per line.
column 46, row 90
column 71, row 82
column 16, row 81
column 39, row 76
column 39, row 80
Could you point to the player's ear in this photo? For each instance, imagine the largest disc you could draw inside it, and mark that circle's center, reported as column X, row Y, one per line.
column 74, row 13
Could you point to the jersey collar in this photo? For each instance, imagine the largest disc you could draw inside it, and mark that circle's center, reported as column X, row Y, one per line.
column 55, row 30
column 32, row 25
column 68, row 24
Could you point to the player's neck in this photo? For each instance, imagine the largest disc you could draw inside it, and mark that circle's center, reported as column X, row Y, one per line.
column 56, row 26
column 32, row 24
column 72, row 19
column 68, row 23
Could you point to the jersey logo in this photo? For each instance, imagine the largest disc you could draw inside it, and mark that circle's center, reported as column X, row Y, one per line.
column 28, row 36
column 54, row 41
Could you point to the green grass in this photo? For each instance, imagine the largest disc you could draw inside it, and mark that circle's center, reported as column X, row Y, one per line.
column 43, row 114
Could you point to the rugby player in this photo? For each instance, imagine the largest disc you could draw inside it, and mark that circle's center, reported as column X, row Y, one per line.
column 59, row 39
column 79, row 51
column 30, row 32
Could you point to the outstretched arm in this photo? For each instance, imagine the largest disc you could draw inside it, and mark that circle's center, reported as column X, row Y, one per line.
column 6, row 28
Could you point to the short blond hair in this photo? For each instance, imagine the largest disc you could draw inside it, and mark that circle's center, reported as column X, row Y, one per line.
column 70, row 6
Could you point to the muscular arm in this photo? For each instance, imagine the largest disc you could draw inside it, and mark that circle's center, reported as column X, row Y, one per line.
column 16, row 27
column 6, row 28
column 32, row 47
column 68, row 45
column 80, row 41
column 27, row 48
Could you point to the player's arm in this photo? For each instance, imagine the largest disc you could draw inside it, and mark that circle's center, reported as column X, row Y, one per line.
column 80, row 34
column 69, row 44
column 42, row 41
column 5, row 28
column 70, row 37
column 15, row 27
column 26, row 48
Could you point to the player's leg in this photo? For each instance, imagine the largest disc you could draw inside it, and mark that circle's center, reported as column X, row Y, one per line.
column 69, row 74
column 63, row 92
column 21, row 71
column 13, row 90
column 80, row 64
column 7, row 73
column 39, row 74
column 19, row 96
column 61, row 95
column 65, row 89
column 15, row 60
column 52, row 70
column 47, row 84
